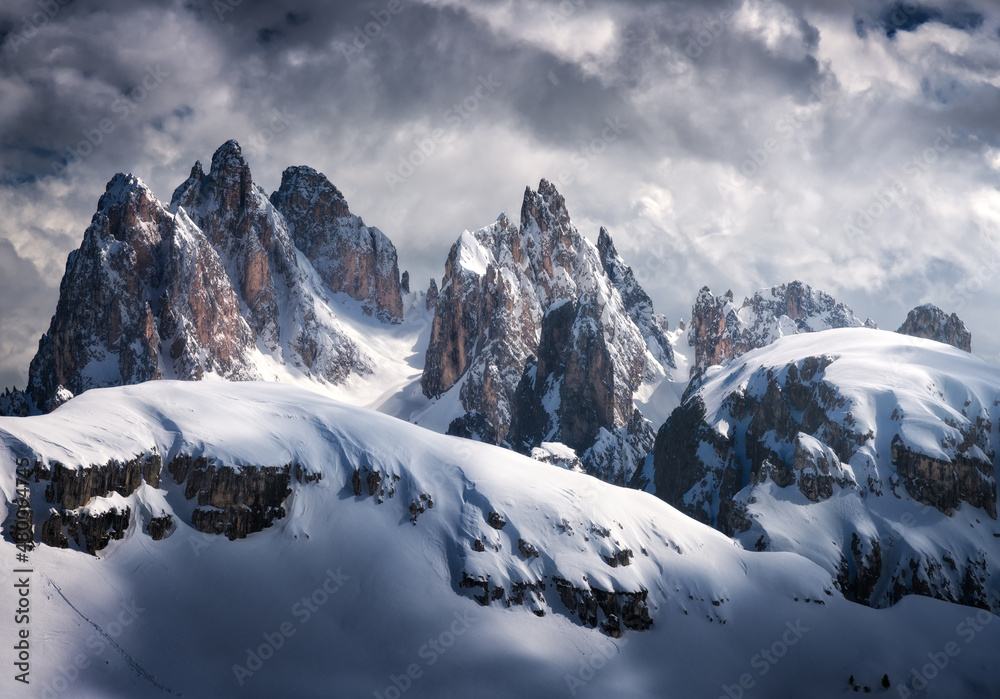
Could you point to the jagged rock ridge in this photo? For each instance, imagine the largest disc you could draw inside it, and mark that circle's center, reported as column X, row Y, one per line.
column 930, row 322
column 721, row 330
column 834, row 446
column 214, row 284
column 350, row 257
column 546, row 337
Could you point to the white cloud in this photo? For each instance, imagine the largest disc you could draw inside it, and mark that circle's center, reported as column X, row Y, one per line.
column 690, row 123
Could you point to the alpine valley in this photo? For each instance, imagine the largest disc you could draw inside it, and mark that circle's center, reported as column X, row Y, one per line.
column 251, row 461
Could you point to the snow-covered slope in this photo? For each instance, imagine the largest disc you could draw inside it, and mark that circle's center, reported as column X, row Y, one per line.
column 869, row 452
column 338, row 578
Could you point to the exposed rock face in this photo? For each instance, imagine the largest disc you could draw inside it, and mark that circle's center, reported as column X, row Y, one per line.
column 485, row 323
column 118, row 312
column 575, row 391
column 945, row 483
column 74, row 517
column 721, row 330
column 86, row 509
column 263, row 265
column 930, row 322
column 653, row 326
column 234, row 502
column 714, row 328
column 233, row 214
column 70, row 488
column 206, row 285
column 159, row 527
column 432, row 296
column 755, row 446
column 533, row 329
column 573, row 359
column 91, row 532
column 14, row 403
column 688, row 453
column 350, row 257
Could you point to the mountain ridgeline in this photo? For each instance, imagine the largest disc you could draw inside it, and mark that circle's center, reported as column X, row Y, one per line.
column 541, row 341
column 546, row 337
column 222, row 281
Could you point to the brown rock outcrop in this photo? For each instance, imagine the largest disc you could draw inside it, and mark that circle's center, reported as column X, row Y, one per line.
column 533, row 316
column 930, row 322
column 721, row 330
column 943, row 484
column 350, row 257
column 232, row 501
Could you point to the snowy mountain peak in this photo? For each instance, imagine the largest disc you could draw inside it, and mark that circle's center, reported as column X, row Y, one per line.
column 721, row 330
column 130, row 208
column 350, row 257
column 215, row 285
column 310, row 188
column 546, row 208
column 868, row 452
column 540, row 339
column 930, row 322
column 121, row 188
column 228, row 162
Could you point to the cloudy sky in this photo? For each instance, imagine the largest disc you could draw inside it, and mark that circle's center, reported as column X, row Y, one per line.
column 735, row 144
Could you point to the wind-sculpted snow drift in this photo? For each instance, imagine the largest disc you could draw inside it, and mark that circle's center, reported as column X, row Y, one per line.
column 266, row 540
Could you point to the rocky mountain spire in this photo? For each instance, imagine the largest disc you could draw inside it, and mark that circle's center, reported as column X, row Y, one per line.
column 533, row 333
column 211, row 285
column 721, row 330
column 235, row 216
column 930, row 322
column 145, row 297
column 260, row 259
column 350, row 257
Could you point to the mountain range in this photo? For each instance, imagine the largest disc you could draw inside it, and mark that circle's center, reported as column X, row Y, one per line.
column 254, row 367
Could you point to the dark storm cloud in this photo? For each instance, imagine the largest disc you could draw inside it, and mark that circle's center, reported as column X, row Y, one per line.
column 352, row 88
column 26, row 297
